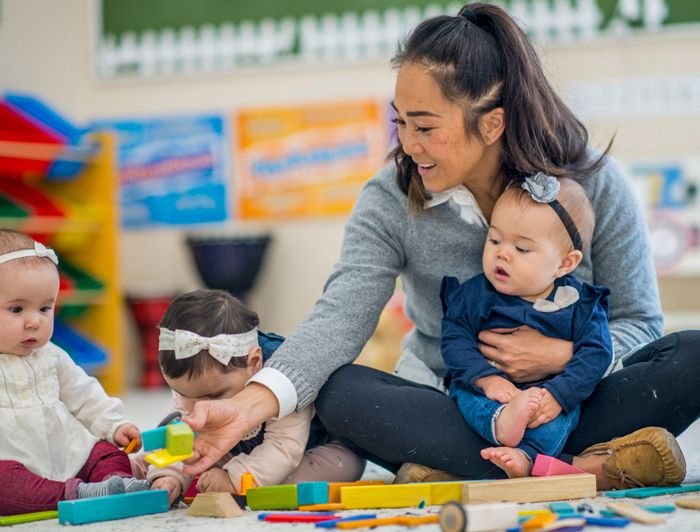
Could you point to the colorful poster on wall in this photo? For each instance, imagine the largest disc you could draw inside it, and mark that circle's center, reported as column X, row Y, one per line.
column 172, row 171
column 304, row 161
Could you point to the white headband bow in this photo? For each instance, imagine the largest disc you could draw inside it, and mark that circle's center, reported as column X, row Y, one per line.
column 222, row 347
column 39, row 250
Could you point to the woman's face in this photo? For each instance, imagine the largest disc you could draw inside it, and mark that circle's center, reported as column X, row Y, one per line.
column 432, row 132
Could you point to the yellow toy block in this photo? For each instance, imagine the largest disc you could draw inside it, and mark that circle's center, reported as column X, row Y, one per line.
column 179, row 439
column 442, row 492
column 162, row 458
column 334, row 487
column 387, row 496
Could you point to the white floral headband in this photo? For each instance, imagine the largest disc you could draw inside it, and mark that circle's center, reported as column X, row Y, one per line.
column 223, row 347
column 39, row 250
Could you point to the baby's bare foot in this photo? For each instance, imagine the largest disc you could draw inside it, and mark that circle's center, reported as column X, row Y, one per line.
column 513, row 461
column 513, row 419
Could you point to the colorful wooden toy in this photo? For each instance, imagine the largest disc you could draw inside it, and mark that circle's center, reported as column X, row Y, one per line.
column 131, row 446
column 162, row 458
column 81, row 511
column 455, row 517
column 273, row 497
column 652, row 491
column 530, row 489
column 332, row 523
column 213, row 504
column 153, row 439
column 28, row 518
column 334, row 487
column 691, row 503
column 635, row 513
column 387, row 496
column 548, row 466
column 179, row 439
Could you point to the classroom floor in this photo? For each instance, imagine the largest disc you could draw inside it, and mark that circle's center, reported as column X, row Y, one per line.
column 147, row 408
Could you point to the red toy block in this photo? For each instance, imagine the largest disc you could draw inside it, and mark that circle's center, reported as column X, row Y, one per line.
column 548, row 466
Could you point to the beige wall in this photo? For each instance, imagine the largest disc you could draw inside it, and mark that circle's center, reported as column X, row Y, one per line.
column 46, row 47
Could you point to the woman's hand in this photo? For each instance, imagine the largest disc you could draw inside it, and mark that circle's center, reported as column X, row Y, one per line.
column 222, row 423
column 168, row 483
column 125, row 433
column 525, row 354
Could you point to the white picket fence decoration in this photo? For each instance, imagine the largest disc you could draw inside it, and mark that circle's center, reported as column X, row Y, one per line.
column 330, row 38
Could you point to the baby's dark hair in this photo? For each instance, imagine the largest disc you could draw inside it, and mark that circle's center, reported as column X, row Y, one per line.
column 206, row 313
column 15, row 241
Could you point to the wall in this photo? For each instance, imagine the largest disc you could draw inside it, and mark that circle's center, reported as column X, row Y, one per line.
column 46, row 47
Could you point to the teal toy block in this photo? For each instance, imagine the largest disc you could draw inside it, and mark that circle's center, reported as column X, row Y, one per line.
column 563, row 509
column 312, row 493
column 273, row 497
column 179, row 439
column 81, row 511
column 153, row 439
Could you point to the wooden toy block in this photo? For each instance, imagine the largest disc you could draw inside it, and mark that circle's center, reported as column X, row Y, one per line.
column 537, row 522
column 247, row 482
column 387, row 496
column 332, row 523
column 263, row 515
column 660, row 508
column 28, row 518
column 635, row 513
column 131, row 446
column 455, row 517
column 162, row 458
column 568, row 524
column 652, row 491
column 692, row 503
column 299, row 518
column 548, row 466
column 213, row 504
column 334, row 487
column 617, row 522
column 80, row 511
column 562, row 508
column 273, row 497
column 153, row 439
column 442, row 492
column 404, row 520
column 530, row 489
column 312, row 493
column 179, row 439
column 330, row 506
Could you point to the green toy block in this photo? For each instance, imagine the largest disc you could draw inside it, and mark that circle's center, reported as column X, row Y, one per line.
column 312, row 493
column 179, row 439
column 28, row 518
column 81, row 511
column 273, row 497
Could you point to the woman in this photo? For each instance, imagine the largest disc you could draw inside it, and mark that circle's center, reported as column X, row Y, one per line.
column 473, row 109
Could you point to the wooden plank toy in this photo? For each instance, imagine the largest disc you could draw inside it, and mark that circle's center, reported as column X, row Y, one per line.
column 692, row 503
column 652, row 491
column 9, row 520
column 530, row 489
column 81, row 511
column 312, row 493
column 331, row 506
column 548, row 466
column 332, row 523
column 455, row 517
column 386, row 496
column 273, row 497
column 131, row 446
column 404, row 520
column 566, row 524
column 214, row 504
column 299, row 518
column 334, row 487
column 179, row 439
column 635, row 513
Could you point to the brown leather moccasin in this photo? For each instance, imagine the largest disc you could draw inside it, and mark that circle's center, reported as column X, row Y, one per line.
column 646, row 457
column 409, row 472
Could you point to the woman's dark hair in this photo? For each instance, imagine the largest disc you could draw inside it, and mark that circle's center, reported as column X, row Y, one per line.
column 206, row 313
column 482, row 60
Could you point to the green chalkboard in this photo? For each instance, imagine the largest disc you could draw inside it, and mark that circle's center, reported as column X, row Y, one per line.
column 119, row 16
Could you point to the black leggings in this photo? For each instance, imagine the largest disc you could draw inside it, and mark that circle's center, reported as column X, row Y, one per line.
column 390, row 420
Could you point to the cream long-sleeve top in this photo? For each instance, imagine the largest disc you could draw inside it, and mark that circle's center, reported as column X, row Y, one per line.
column 52, row 413
column 271, row 462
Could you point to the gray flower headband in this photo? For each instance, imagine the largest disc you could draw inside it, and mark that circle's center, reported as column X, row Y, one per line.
column 544, row 188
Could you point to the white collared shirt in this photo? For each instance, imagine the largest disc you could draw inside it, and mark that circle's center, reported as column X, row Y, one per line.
column 462, row 201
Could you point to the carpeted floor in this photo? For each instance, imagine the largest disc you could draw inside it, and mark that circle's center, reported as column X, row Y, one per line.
column 147, row 408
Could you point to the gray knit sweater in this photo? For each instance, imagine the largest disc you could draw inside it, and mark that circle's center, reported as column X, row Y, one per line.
column 383, row 241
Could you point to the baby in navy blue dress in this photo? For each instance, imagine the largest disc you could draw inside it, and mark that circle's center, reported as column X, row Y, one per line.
column 539, row 229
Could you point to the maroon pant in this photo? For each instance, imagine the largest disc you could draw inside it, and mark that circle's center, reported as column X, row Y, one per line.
column 22, row 491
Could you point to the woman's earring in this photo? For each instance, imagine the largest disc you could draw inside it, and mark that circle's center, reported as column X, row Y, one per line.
column 487, row 138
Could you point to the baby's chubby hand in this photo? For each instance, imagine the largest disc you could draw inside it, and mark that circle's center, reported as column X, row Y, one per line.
column 215, row 479
column 125, row 433
column 168, row 483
